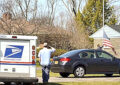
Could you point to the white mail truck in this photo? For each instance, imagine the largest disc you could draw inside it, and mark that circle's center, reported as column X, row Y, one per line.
column 18, row 59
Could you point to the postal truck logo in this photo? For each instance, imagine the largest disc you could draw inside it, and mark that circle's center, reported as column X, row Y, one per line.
column 14, row 51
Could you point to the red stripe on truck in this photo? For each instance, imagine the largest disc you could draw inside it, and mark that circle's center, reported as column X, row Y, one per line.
column 16, row 62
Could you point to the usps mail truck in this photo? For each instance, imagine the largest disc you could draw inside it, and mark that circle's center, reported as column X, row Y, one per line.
column 18, row 59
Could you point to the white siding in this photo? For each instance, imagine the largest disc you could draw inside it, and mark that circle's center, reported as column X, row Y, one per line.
column 111, row 33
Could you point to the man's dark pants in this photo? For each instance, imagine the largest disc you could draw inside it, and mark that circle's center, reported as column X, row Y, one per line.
column 45, row 73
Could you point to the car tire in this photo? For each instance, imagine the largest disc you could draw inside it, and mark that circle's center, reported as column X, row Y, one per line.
column 108, row 75
column 79, row 72
column 64, row 74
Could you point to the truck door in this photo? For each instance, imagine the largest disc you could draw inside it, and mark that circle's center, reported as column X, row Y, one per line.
column 15, row 58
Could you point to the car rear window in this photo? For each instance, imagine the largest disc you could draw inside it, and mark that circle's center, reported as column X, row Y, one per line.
column 70, row 53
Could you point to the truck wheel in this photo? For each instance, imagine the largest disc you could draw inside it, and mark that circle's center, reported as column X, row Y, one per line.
column 108, row 75
column 79, row 72
column 64, row 74
column 29, row 83
column 7, row 83
column 34, row 83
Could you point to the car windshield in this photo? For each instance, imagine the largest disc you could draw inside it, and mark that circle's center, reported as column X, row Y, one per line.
column 69, row 53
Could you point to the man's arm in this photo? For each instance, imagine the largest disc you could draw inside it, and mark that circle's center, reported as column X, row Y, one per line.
column 53, row 49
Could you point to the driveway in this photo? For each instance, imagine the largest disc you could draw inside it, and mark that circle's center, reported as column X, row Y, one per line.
column 86, row 78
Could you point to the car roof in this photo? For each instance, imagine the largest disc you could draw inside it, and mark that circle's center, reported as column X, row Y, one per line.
column 87, row 50
column 81, row 50
column 94, row 50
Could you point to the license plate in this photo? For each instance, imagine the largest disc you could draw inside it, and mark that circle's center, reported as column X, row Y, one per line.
column 56, row 62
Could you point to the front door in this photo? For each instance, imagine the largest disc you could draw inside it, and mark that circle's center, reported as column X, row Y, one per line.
column 106, row 62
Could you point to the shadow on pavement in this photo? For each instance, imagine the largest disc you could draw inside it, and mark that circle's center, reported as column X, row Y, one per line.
column 48, row 84
column 100, row 76
column 41, row 84
column 94, row 77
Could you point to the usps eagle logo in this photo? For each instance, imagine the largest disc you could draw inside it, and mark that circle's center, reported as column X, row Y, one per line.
column 14, row 51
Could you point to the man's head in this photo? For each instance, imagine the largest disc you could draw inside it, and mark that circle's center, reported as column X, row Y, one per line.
column 98, row 45
column 45, row 44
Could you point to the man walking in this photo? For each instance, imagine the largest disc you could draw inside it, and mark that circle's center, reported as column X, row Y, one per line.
column 44, row 59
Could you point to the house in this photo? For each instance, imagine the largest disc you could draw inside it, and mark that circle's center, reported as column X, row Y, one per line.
column 113, row 33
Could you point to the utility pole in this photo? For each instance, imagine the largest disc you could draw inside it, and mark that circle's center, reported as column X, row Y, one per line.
column 103, row 13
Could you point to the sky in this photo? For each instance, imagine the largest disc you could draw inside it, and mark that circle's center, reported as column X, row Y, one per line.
column 61, row 11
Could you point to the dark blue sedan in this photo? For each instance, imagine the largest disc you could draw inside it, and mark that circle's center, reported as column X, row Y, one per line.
column 85, row 61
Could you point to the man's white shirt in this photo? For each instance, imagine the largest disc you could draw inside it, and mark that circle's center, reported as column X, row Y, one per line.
column 45, row 55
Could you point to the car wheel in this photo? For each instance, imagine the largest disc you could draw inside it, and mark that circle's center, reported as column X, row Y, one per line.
column 64, row 74
column 79, row 72
column 108, row 75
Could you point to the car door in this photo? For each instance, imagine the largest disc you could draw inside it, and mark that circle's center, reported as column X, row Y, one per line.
column 106, row 62
column 91, row 61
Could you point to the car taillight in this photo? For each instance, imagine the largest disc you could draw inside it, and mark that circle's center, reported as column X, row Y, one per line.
column 65, row 59
column 51, row 59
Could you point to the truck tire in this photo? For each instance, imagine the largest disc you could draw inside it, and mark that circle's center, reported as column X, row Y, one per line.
column 30, row 83
column 7, row 83
column 12, row 83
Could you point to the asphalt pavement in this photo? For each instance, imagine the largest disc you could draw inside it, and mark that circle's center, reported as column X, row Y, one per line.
column 85, row 79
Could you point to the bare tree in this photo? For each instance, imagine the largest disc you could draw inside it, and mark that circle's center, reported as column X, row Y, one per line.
column 21, row 11
column 27, row 7
column 52, row 5
column 73, row 6
column 20, row 8
column 79, row 37
column 116, row 5
column 6, row 6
